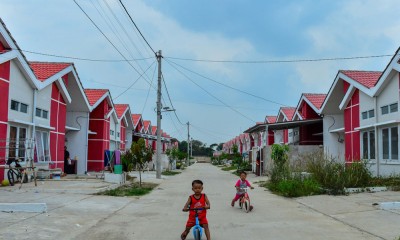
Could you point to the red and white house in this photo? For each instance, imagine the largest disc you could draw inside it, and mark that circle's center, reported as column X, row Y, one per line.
column 285, row 114
column 51, row 115
column 99, row 127
column 18, row 90
column 361, row 117
column 137, row 126
column 309, row 130
column 125, row 125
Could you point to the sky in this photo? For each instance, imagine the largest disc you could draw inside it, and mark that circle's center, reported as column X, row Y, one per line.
column 222, row 60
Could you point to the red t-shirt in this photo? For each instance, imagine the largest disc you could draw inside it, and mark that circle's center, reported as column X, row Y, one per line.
column 202, row 214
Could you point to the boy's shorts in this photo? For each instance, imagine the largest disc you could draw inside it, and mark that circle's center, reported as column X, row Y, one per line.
column 192, row 221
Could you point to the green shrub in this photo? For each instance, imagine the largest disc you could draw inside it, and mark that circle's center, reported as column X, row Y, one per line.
column 296, row 187
column 280, row 167
column 334, row 176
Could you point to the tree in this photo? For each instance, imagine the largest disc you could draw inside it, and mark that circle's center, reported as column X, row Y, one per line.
column 172, row 154
column 140, row 155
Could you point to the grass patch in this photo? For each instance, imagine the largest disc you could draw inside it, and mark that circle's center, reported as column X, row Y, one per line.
column 391, row 182
column 132, row 189
column 170, row 173
column 229, row 168
column 295, row 187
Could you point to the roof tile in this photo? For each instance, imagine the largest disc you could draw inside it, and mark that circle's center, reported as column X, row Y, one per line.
column 366, row 78
column 120, row 109
column 93, row 95
column 44, row 70
column 317, row 99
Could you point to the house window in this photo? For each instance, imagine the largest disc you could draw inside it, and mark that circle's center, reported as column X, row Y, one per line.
column 364, row 115
column 371, row 113
column 41, row 113
column 391, row 108
column 111, row 132
column 23, row 108
column 17, row 139
column 17, row 106
column 38, row 112
column 390, row 143
column 42, row 153
column 368, row 145
column 14, row 105
column 117, row 134
column 368, row 114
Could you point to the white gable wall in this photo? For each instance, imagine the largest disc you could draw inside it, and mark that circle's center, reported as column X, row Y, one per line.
column 43, row 102
column 77, row 141
column 21, row 91
column 332, row 145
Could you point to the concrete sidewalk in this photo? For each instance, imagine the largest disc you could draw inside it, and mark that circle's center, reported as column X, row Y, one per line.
column 75, row 214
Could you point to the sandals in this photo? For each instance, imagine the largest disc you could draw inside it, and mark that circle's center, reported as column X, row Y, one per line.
column 232, row 203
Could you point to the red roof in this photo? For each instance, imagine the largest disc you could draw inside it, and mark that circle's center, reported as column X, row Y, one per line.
column 136, row 118
column 289, row 112
column 270, row 119
column 44, row 70
column 93, row 95
column 366, row 78
column 146, row 124
column 316, row 99
column 120, row 109
column 154, row 130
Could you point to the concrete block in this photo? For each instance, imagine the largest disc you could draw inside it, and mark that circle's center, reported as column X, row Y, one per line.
column 23, row 207
column 115, row 178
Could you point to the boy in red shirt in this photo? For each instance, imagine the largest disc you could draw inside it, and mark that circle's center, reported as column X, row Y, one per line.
column 197, row 200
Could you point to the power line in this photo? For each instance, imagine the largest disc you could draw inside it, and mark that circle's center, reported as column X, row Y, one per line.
column 82, row 59
column 225, row 85
column 219, row 100
column 210, row 131
column 135, row 82
column 137, row 28
column 280, row 61
column 148, row 91
column 105, row 35
column 169, row 97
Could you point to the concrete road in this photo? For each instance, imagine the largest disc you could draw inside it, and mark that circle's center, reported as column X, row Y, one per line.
column 159, row 216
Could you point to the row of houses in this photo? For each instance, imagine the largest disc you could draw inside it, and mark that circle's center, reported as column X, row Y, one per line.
column 358, row 119
column 44, row 107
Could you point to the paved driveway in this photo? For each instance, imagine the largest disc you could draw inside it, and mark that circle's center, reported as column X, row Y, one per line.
column 73, row 215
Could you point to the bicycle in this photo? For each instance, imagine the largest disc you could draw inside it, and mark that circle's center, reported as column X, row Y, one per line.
column 16, row 173
column 244, row 201
column 197, row 229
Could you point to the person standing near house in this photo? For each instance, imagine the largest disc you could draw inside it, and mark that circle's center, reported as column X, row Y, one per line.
column 67, row 160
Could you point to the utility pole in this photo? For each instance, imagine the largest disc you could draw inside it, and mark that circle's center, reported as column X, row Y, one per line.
column 158, row 157
column 188, row 156
column 191, row 147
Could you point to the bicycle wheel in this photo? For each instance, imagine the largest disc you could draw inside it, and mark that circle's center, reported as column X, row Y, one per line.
column 12, row 177
column 246, row 205
column 197, row 234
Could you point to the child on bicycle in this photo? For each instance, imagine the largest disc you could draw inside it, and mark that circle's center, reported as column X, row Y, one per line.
column 240, row 184
column 197, row 200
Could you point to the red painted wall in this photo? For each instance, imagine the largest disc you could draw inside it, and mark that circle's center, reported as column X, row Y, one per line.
column 100, row 141
column 58, row 117
column 4, row 97
column 122, row 135
column 285, row 136
column 352, row 121
column 307, row 133
column 271, row 138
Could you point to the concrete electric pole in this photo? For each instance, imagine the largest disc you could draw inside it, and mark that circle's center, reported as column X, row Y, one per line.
column 188, row 142
column 158, row 156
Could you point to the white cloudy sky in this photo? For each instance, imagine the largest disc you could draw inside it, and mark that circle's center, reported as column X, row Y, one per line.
column 228, row 30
